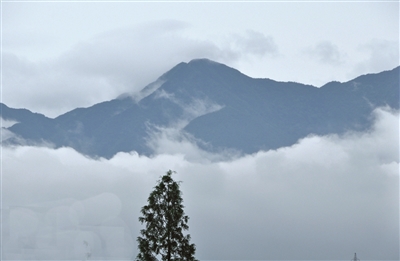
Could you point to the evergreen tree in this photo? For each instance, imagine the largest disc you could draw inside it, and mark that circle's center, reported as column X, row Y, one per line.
column 165, row 222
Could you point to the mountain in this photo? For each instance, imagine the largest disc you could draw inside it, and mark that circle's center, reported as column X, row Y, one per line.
column 214, row 105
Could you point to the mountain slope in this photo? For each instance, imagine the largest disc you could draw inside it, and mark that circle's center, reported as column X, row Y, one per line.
column 220, row 108
column 285, row 112
column 40, row 124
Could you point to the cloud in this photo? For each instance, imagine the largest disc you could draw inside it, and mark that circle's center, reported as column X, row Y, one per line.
column 49, row 88
column 119, row 61
column 7, row 123
column 196, row 107
column 325, row 197
column 254, row 43
column 326, row 53
column 149, row 89
column 380, row 55
column 172, row 139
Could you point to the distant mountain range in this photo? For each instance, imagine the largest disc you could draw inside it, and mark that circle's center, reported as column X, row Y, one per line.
column 213, row 105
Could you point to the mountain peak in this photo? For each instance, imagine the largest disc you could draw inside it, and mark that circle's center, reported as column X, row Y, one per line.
column 215, row 105
column 207, row 63
column 203, row 61
column 202, row 66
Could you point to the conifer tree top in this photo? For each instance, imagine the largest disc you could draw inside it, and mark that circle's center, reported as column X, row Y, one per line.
column 165, row 220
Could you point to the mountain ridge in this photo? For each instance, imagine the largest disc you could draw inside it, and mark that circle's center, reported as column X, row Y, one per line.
column 221, row 107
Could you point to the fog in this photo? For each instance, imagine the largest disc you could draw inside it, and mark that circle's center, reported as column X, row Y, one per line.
column 326, row 197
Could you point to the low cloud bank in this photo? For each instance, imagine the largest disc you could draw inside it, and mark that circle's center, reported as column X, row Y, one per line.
column 322, row 198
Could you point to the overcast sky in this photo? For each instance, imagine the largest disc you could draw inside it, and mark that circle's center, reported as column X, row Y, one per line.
column 325, row 197
column 61, row 55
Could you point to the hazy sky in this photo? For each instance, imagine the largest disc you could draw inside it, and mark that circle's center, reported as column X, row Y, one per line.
column 61, row 55
column 325, row 197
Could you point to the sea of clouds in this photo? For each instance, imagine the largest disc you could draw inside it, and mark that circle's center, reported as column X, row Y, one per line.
column 325, row 197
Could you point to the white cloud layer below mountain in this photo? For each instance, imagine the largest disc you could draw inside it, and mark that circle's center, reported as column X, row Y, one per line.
column 322, row 198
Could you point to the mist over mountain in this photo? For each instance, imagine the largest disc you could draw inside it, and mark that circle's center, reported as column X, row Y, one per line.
column 214, row 106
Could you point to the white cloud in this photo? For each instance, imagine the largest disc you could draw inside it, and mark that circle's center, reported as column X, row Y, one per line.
column 149, row 89
column 191, row 110
column 7, row 123
column 323, row 198
column 172, row 139
column 119, row 61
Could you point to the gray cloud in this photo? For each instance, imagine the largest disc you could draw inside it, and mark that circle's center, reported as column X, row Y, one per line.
column 322, row 198
column 327, row 53
column 6, row 134
column 49, row 88
column 119, row 61
column 380, row 55
column 254, row 43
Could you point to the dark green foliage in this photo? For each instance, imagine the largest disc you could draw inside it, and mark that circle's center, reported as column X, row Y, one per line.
column 165, row 222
